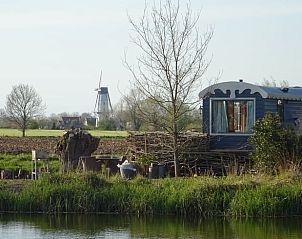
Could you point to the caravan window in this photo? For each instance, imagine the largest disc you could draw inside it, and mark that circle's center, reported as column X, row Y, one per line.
column 232, row 116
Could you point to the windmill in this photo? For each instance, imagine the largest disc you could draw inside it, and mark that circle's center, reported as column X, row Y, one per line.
column 102, row 105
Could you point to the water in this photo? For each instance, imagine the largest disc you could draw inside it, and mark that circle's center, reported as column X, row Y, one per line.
column 124, row 227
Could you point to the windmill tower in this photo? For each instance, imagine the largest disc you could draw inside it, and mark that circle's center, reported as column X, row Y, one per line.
column 102, row 105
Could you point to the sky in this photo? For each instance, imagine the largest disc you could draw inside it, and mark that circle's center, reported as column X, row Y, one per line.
column 60, row 46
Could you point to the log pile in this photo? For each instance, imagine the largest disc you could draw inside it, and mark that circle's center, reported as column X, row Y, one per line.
column 160, row 144
column 194, row 155
column 216, row 163
column 112, row 146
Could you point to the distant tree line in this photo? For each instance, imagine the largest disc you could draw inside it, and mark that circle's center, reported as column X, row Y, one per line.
column 127, row 115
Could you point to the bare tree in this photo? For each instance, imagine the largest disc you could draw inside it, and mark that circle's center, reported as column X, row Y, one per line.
column 133, row 102
column 272, row 82
column 132, row 109
column 22, row 105
column 3, row 121
column 171, row 64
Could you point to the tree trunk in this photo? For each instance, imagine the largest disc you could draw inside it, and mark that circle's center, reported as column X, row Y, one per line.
column 175, row 149
column 176, row 162
column 23, row 131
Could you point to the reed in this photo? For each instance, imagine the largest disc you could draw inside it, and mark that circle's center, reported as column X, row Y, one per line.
column 268, row 200
column 200, row 196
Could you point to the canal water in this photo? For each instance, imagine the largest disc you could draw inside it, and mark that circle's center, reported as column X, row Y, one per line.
column 124, row 227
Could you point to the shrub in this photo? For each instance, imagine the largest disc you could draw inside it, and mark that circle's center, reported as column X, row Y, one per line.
column 106, row 124
column 274, row 146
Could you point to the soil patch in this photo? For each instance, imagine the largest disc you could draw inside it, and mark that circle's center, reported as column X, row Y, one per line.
column 18, row 145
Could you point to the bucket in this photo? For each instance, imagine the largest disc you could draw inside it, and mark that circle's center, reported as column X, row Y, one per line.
column 127, row 170
column 156, row 171
column 153, row 171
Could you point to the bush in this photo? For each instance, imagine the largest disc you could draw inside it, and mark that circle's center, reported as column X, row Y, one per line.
column 33, row 124
column 107, row 124
column 275, row 147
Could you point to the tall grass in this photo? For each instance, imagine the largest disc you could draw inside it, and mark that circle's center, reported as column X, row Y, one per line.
column 268, row 200
column 201, row 196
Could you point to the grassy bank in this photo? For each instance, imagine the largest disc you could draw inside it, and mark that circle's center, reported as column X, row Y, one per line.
column 14, row 163
column 200, row 196
column 44, row 132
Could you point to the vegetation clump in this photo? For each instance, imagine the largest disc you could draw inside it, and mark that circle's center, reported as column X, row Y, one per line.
column 275, row 147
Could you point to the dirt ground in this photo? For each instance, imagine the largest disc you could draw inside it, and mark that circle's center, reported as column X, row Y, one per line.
column 17, row 145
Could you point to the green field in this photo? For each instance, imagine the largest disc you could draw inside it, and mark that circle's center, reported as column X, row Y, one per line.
column 24, row 161
column 44, row 132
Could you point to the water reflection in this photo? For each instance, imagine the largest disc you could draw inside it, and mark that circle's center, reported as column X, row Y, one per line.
column 116, row 226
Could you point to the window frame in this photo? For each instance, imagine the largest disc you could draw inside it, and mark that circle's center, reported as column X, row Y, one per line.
column 231, row 99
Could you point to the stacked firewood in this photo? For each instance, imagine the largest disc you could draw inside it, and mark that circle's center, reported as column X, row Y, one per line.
column 217, row 163
column 194, row 154
column 160, row 144
column 112, row 146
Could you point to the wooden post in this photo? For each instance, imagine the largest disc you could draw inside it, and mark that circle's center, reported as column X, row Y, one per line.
column 145, row 143
column 107, row 172
column 34, row 165
column 38, row 155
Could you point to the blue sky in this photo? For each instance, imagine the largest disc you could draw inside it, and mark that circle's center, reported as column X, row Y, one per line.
column 60, row 46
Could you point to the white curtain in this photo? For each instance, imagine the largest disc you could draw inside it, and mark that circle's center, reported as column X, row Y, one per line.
column 219, row 116
column 249, row 116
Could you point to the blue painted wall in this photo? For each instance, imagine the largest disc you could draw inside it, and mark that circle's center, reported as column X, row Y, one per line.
column 293, row 115
column 270, row 106
column 206, row 116
column 229, row 142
